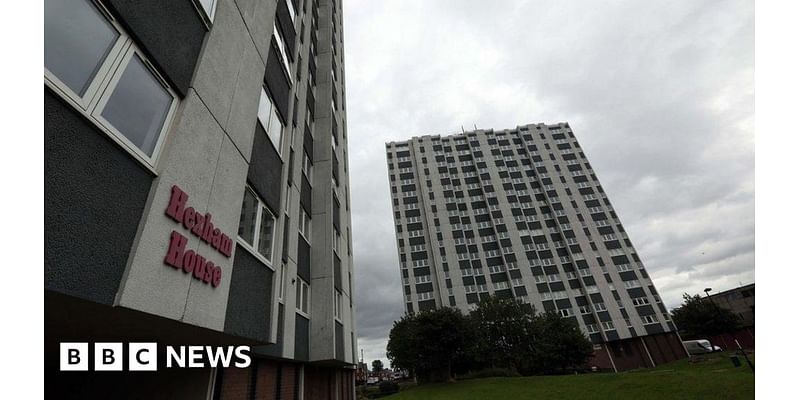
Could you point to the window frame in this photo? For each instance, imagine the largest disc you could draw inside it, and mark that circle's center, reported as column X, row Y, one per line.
column 206, row 15
column 338, row 308
column 303, row 288
column 102, row 86
column 308, row 167
column 253, row 248
column 283, row 52
column 304, row 227
column 265, row 94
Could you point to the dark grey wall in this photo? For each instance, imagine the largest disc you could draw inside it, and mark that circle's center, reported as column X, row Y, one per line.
column 337, row 272
column 305, row 195
column 170, row 32
column 303, row 259
column 339, row 336
column 300, row 338
column 249, row 298
column 277, row 83
column 286, row 25
column 95, row 194
column 265, row 170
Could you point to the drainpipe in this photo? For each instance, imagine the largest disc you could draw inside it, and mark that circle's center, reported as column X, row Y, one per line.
column 613, row 364
column 646, row 350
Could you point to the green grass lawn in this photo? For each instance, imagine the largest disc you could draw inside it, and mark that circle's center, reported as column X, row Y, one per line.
column 715, row 378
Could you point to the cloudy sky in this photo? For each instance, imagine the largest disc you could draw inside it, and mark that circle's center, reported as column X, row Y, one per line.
column 659, row 94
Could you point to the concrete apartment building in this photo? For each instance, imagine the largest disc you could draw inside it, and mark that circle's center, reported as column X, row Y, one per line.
column 520, row 213
column 740, row 301
column 197, row 192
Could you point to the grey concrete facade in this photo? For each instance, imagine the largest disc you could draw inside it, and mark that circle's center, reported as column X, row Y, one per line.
column 741, row 301
column 517, row 213
column 208, row 152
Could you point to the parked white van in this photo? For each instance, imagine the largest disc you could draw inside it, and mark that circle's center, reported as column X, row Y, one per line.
column 700, row 346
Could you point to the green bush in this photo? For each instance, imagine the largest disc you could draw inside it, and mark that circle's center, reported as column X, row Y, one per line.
column 489, row 373
column 388, row 387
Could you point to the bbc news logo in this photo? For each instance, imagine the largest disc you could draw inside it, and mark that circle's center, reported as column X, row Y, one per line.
column 111, row 356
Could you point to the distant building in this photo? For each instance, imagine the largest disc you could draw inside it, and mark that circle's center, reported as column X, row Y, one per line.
column 520, row 213
column 741, row 301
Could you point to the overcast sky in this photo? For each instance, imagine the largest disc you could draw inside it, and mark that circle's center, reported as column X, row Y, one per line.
column 659, row 94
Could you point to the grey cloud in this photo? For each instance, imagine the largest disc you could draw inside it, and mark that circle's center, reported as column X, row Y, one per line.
column 660, row 95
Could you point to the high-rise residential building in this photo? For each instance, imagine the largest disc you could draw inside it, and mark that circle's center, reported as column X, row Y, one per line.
column 519, row 213
column 197, row 193
column 740, row 301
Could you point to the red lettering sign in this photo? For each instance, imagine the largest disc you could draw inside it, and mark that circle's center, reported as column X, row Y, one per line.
column 201, row 226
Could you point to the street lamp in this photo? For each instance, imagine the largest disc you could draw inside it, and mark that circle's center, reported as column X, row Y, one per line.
column 708, row 289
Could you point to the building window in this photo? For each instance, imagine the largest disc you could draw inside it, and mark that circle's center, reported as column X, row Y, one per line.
column 337, row 311
column 337, row 242
column 608, row 326
column 257, row 226
column 308, row 167
column 649, row 319
column 209, row 7
column 304, row 226
column 270, row 121
column 283, row 51
column 292, row 11
column 92, row 63
column 303, row 299
column 281, row 282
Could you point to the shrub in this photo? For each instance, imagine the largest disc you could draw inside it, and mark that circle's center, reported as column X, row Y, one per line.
column 388, row 387
column 489, row 373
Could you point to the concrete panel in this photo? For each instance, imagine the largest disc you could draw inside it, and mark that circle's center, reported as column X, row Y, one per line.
column 259, row 17
column 218, row 69
column 224, row 203
column 189, row 160
column 241, row 121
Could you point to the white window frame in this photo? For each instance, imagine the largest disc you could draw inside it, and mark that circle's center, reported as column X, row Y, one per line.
column 649, row 320
column 303, row 291
column 304, row 225
column 337, row 308
column 206, row 13
column 283, row 52
column 308, row 167
column 271, row 110
column 281, row 282
column 252, row 248
column 102, row 86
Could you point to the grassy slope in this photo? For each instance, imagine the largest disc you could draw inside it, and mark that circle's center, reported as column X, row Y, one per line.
column 712, row 379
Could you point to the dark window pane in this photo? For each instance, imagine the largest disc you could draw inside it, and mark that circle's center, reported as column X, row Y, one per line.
column 138, row 106
column 77, row 38
column 247, row 220
column 265, row 234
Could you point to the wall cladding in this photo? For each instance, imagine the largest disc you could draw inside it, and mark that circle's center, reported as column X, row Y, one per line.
column 95, row 193
column 170, row 32
column 265, row 170
column 250, row 298
column 301, row 338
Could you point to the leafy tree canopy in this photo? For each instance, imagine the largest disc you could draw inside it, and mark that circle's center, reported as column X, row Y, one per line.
column 700, row 317
column 377, row 366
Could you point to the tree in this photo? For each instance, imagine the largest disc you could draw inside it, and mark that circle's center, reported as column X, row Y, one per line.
column 401, row 348
column 559, row 345
column 430, row 342
column 504, row 332
column 377, row 366
column 699, row 317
